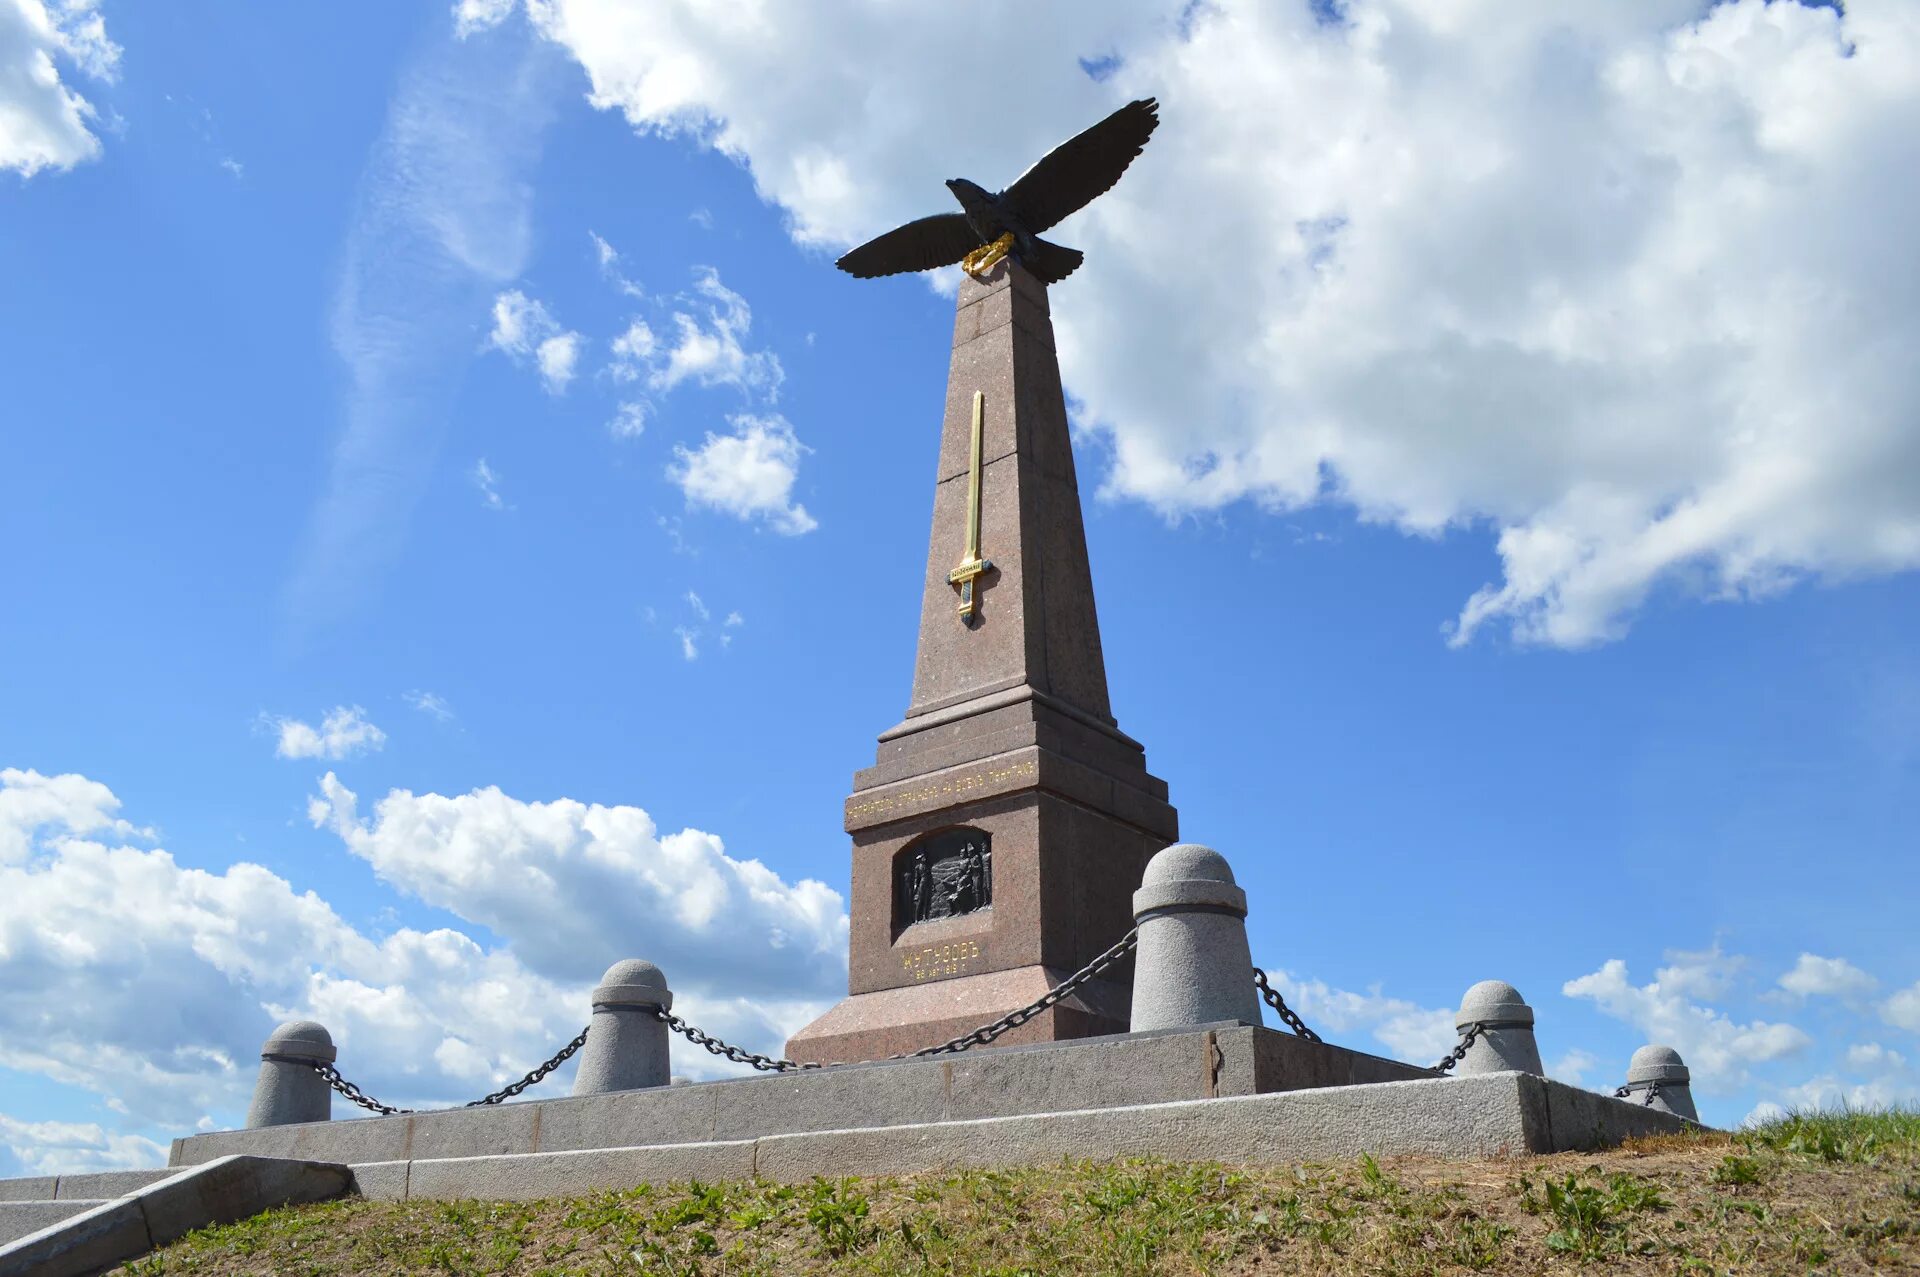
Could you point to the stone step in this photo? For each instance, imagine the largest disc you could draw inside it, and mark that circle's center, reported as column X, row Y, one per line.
column 17, row 1219
column 73, row 1237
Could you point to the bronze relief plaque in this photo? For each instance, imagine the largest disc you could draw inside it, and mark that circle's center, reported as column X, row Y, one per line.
column 942, row 875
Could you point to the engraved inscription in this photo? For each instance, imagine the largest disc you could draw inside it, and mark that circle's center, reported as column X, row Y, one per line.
column 956, row 787
column 941, row 960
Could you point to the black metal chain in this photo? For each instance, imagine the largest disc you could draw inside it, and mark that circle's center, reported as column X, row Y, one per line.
column 714, row 1046
column 506, row 1092
column 1459, row 1053
column 1626, row 1092
column 512, row 1089
column 1280, row 1007
column 1058, row 993
column 351, row 1091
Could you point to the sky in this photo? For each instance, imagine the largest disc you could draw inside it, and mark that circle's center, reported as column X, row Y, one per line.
column 461, row 531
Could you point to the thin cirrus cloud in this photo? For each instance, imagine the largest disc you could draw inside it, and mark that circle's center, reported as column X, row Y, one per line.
column 1542, row 272
column 442, row 223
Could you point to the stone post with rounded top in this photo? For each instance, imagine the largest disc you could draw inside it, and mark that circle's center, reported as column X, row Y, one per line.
column 626, row 1046
column 1193, row 965
column 1505, row 1042
column 1658, row 1078
column 289, row 1088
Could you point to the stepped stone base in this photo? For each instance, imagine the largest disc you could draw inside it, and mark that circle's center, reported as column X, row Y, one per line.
column 1492, row 1115
column 1050, row 1077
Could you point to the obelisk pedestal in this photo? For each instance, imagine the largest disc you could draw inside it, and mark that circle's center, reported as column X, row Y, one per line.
column 1000, row 834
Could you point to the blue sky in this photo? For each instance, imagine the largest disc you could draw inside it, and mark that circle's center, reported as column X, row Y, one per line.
column 465, row 532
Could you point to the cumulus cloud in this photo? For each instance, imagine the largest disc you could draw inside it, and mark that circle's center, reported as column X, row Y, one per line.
column 43, row 122
column 523, row 328
column 73, row 1148
column 1719, row 1052
column 573, row 882
column 708, row 345
column 749, row 473
column 345, row 731
column 1902, row 1010
column 152, row 985
column 629, row 419
column 1573, row 1067
column 1627, row 286
column 1814, row 976
column 1419, row 1035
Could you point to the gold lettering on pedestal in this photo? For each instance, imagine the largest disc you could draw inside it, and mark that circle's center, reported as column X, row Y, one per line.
column 958, row 787
column 941, row 960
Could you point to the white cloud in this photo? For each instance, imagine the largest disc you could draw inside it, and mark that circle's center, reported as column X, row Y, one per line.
column 72, row 1148
column 1628, row 286
column 1871, row 1055
column 708, row 348
column 1902, row 1010
column 29, row 800
column 1706, row 974
column 1718, row 1052
column 44, row 123
column 632, row 351
column 152, row 985
column 609, row 259
column 1573, row 1067
column 523, row 327
column 749, row 474
column 477, row 15
column 488, row 482
column 520, row 867
column 629, row 419
column 1419, row 1035
column 428, row 703
column 689, row 642
column 698, row 605
column 1814, row 976
column 344, row 731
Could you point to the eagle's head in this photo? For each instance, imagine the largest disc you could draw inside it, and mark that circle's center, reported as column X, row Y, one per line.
column 970, row 194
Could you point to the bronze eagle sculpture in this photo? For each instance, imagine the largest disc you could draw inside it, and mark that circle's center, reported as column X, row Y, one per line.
column 1008, row 224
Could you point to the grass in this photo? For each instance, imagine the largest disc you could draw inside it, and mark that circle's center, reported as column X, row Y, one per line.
column 1826, row 1193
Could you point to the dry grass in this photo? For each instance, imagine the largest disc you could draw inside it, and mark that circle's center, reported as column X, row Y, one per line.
column 1825, row 1194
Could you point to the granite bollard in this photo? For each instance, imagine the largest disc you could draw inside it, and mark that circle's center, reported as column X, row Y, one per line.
column 1505, row 1043
column 1658, row 1078
column 626, row 1046
column 1193, row 965
column 289, row 1088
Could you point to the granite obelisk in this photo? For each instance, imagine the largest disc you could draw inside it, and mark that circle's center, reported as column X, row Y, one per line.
column 1001, row 832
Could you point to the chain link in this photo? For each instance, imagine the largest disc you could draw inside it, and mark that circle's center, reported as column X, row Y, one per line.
column 507, row 1092
column 1459, row 1053
column 1058, row 993
column 351, row 1091
column 714, row 1046
column 1626, row 1093
column 1280, row 1007
column 512, row 1089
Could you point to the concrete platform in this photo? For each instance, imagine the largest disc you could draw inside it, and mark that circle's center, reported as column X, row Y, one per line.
column 1124, row 1070
column 1497, row 1114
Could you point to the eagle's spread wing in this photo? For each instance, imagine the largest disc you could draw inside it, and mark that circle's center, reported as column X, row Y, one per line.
column 1069, row 176
column 940, row 240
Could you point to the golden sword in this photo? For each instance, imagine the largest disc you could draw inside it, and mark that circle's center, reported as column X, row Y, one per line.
column 972, row 567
